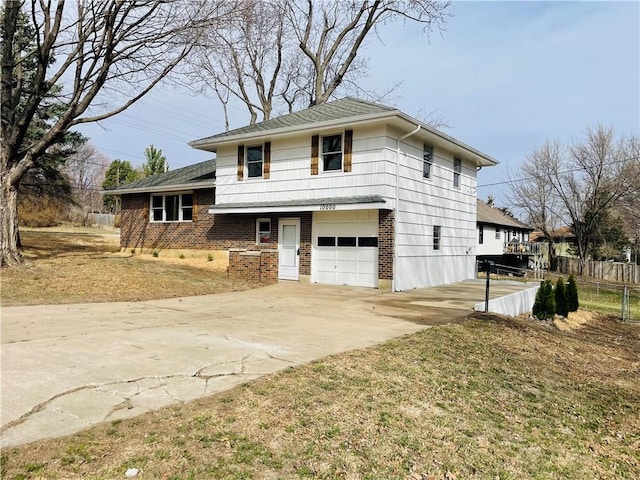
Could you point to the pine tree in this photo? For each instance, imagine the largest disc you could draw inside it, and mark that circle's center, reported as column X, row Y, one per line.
column 572, row 295
column 561, row 298
column 544, row 306
column 537, row 310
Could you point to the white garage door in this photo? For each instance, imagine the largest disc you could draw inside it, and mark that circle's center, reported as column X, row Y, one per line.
column 345, row 248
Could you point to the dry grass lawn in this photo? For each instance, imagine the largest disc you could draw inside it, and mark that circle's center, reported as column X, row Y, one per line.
column 490, row 398
column 71, row 265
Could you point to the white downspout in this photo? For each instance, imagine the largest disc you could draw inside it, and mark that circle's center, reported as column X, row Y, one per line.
column 397, row 209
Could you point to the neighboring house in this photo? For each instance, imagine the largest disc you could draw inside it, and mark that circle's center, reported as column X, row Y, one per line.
column 503, row 239
column 349, row 192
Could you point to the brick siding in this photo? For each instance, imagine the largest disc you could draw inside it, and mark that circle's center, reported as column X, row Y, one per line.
column 386, row 232
column 254, row 265
column 206, row 231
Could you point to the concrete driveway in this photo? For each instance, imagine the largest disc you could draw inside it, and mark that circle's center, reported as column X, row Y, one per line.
column 67, row 367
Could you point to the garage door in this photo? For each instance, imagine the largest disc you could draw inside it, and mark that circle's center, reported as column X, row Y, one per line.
column 346, row 248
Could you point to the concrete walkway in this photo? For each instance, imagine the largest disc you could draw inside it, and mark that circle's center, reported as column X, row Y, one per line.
column 67, row 367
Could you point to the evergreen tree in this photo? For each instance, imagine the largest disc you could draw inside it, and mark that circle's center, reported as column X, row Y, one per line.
column 561, row 298
column 118, row 173
column 572, row 295
column 544, row 306
column 155, row 163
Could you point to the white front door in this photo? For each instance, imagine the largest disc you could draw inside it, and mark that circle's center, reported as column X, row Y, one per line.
column 289, row 248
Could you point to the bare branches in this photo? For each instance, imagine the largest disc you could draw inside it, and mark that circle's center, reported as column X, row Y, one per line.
column 287, row 54
column 580, row 185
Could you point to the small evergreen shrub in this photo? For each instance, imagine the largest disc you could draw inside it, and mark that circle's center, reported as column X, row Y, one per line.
column 561, row 298
column 544, row 306
column 572, row 295
column 182, row 256
column 210, row 257
column 155, row 254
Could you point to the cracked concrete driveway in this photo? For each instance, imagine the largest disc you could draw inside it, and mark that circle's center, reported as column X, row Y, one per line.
column 66, row 367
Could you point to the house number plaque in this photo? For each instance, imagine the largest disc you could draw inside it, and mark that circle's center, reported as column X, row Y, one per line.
column 328, row 206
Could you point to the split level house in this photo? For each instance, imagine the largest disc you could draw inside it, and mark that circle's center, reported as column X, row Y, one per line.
column 348, row 193
column 504, row 240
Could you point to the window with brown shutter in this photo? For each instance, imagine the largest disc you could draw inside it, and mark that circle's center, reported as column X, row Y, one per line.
column 240, row 162
column 267, row 160
column 315, row 141
column 348, row 148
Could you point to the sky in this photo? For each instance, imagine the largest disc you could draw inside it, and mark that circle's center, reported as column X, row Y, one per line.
column 504, row 76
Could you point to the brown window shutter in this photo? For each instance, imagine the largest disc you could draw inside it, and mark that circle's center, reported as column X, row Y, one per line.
column 266, row 173
column 348, row 148
column 145, row 210
column 315, row 141
column 240, row 162
column 194, row 209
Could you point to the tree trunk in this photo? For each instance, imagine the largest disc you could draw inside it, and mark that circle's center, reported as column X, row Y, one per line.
column 9, row 251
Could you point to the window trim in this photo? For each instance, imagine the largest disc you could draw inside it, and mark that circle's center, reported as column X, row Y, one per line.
column 181, row 207
column 437, row 237
column 425, row 148
column 322, row 153
column 258, row 231
column 247, row 162
column 457, row 172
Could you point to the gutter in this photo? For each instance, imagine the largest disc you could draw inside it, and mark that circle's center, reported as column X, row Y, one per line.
column 397, row 207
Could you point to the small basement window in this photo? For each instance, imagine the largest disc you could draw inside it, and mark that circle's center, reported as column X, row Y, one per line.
column 263, row 231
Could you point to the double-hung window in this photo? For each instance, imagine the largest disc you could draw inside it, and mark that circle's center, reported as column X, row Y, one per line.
column 254, row 162
column 457, row 171
column 332, row 152
column 437, row 232
column 174, row 207
column 427, row 160
column 497, row 233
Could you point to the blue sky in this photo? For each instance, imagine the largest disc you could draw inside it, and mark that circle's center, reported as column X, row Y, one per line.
column 505, row 76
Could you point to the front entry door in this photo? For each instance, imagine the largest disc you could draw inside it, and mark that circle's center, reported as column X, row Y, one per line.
column 289, row 248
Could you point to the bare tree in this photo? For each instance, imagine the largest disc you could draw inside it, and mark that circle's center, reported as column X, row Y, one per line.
column 532, row 194
column 104, row 51
column 85, row 170
column 286, row 54
column 580, row 184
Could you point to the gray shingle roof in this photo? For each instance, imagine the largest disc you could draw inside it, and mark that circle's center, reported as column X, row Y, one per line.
column 495, row 216
column 200, row 173
column 337, row 110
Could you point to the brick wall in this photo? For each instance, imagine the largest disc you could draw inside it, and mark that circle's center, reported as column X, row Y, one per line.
column 385, row 244
column 254, row 265
column 206, row 231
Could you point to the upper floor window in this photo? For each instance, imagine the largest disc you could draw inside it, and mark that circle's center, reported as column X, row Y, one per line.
column 332, row 152
column 480, row 234
column 497, row 233
column 427, row 160
column 175, row 207
column 437, row 231
column 457, row 170
column 254, row 162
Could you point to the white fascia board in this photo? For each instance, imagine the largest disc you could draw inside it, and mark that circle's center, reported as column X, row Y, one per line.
column 301, row 208
column 165, row 188
column 288, row 131
column 482, row 159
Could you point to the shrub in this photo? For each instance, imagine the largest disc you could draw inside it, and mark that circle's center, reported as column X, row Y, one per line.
column 182, row 256
column 155, row 254
column 210, row 257
column 544, row 306
column 572, row 295
column 561, row 298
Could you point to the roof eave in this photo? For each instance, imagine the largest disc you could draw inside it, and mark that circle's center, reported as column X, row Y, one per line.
column 211, row 145
column 161, row 188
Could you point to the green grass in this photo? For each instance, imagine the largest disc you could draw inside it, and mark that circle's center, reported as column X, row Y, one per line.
column 607, row 300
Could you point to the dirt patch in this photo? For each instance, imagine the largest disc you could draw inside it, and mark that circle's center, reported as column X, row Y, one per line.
column 72, row 265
